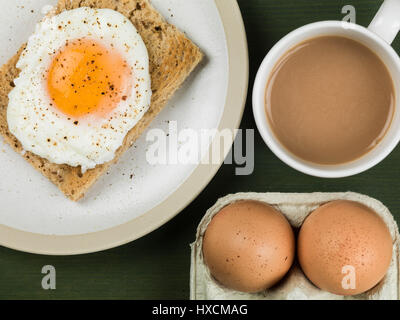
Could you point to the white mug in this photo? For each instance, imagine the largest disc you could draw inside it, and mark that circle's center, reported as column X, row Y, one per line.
column 378, row 37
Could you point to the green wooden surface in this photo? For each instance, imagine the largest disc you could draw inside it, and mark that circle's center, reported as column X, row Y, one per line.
column 157, row 266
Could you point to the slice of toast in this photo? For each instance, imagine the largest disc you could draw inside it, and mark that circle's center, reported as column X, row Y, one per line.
column 172, row 58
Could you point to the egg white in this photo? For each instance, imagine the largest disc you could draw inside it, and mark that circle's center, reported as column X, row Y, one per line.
column 32, row 119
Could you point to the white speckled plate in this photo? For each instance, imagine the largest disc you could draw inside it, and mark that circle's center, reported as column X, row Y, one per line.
column 134, row 198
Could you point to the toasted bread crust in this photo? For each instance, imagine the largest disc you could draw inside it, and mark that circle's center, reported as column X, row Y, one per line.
column 172, row 58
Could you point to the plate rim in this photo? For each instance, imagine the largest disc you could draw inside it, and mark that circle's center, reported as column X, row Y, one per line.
column 62, row 245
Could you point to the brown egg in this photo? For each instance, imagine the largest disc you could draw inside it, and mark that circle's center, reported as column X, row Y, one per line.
column 345, row 248
column 249, row 246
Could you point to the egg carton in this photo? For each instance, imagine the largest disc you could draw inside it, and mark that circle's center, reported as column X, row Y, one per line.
column 295, row 286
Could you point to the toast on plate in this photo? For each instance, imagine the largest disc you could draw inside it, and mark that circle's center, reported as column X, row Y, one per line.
column 172, row 58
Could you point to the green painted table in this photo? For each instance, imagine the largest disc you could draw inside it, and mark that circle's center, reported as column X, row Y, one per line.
column 157, row 266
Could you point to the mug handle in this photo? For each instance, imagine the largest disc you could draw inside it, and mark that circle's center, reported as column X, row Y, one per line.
column 386, row 23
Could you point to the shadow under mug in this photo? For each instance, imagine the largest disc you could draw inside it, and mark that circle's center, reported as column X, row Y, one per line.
column 378, row 37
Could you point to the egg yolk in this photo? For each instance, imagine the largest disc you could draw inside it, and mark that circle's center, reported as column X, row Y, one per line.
column 86, row 77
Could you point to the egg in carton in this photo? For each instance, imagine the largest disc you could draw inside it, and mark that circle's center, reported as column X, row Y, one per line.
column 294, row 286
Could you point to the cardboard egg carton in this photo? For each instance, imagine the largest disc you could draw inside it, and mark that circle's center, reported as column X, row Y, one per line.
column 295, row 286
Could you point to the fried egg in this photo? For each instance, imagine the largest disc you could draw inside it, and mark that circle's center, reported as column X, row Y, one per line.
column 84, row 84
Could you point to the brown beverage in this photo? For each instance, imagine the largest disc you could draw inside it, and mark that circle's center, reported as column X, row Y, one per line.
column 330, row 100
